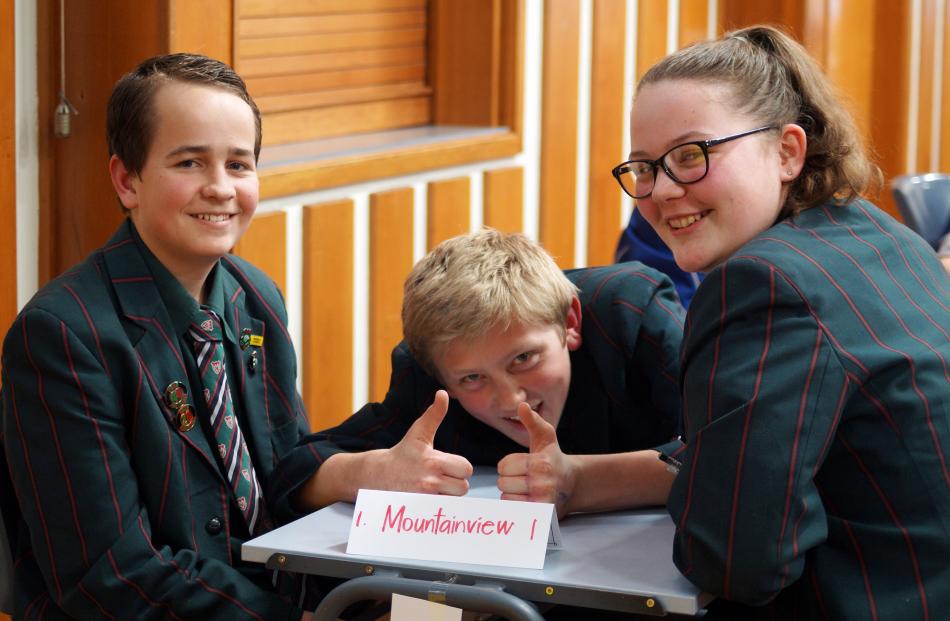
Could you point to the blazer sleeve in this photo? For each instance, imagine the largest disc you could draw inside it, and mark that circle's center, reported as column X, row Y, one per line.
column 65, row 437
column 763, row 390
column 374, row 426
column 653, row 367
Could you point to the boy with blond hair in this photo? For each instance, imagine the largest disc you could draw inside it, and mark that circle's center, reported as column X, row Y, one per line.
column 562, row 381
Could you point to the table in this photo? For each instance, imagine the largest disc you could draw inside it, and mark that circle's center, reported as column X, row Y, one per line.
column 620, row 560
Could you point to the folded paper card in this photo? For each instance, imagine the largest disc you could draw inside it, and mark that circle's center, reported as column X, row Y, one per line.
column 480, row 531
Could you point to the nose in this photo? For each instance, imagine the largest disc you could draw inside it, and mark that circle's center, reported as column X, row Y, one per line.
column 509, row 393
column 664, row 187
column 218, row 186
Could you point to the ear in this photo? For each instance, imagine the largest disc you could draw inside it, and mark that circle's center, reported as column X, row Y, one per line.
column 572, row 329
column 124, row 182
column 792, row 146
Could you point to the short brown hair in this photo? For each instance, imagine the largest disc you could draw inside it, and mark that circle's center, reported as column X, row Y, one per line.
column 129, row 116
column 774, row 79
column 471, row 283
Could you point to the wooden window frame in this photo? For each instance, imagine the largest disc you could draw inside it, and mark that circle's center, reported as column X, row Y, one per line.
column 475, row 69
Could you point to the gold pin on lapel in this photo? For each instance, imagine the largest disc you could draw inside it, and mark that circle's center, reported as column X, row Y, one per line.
column 186, row 417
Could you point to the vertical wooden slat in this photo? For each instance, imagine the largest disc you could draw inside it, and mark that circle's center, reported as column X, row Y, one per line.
column 390, row 259
column 928, row 58
column 511, row 77
column 448, row 210
column 503, row 197
column 849, row 44
column 327, row 376
column 891, row 77
column 694, row 19
column 651, row 34
column 190, row 29
column 607, row 110
column 8, row 265
column 559, row 129
column 945, row 99
column 265, row 245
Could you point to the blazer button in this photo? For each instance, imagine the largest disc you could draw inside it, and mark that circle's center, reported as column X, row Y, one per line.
column 214, row 526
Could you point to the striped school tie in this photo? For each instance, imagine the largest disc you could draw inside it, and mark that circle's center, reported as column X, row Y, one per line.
column 233, row 456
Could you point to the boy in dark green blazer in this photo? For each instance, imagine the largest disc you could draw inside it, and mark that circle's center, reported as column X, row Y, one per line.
column 563, row 382
column 149, row 392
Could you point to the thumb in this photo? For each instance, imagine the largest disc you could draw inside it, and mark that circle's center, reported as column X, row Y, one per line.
column 426, row 425
column 541, row 433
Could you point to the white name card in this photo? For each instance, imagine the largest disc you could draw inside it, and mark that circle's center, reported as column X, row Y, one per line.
column 428, row 527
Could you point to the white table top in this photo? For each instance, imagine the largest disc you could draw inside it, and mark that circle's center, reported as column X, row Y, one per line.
column 607, row 559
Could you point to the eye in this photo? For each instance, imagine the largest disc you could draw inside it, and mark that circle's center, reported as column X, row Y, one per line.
column 687, row 155
column 471, row 381
column 525, row 360
column 239, row 166
column 187, row 164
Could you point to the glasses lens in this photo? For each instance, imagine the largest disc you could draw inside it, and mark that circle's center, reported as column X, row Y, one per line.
column 687, row 163
column 637, row 179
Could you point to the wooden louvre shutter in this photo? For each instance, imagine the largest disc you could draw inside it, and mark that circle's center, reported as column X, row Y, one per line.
column 322, row 68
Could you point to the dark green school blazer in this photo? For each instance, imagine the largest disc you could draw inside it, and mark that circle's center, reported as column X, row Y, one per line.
column 816, row 392
column 118, row 512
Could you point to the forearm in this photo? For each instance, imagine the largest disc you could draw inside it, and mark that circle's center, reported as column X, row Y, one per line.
column 339, row 479
column 618, row 481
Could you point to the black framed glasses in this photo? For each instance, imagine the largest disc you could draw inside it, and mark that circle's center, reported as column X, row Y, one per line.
column 685, row 163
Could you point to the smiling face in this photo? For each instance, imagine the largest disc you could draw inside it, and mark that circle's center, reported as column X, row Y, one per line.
column 742, row 194
column 492, row 374
column 198, row 189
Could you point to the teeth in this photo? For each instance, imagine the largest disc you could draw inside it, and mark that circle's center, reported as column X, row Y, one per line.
column 212, row 217
column 679, row 223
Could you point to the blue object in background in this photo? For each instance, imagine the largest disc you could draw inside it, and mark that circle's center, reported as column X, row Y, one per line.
column 639, row 242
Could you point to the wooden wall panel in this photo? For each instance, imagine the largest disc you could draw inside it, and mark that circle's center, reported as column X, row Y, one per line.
column 559, row 129
column 104, row 39
column 464, row 54
column 8, row 264
column 607, row 111
column 295, row 125
column 888, row 108
column 849, row 45
column 945, row 98
column 190, row 30
column 503, row 197
column 265, row 245
column 327, row 347
column 651, row 34
column 390, row 260
column 694, row 21
column 925, row 125
column 447, row 210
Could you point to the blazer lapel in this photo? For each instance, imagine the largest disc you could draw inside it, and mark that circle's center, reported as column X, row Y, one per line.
column 151, row 333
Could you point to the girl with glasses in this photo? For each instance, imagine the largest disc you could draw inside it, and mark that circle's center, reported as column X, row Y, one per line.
column 815, row 469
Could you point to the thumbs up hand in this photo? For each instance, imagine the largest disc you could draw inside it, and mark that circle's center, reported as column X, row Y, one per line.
column 545, row 474
column 414, row 465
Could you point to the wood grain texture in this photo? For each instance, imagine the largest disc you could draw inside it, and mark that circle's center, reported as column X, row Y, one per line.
column 607, row 111
column 252, row 8
column 503, row 196
column 694, row 21
column 312, row 123
column 447, row 210
column 651, row 34
column 390, row 260
column 945, row 98
column 559, row 129
column 265, row 245
column 464, row 57
column 190, row 30
column 308, row 176
column 327, row 374
column 8, row 263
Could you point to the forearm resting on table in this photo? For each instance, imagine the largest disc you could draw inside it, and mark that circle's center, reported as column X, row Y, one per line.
column 619, row 481
column 339, row 479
